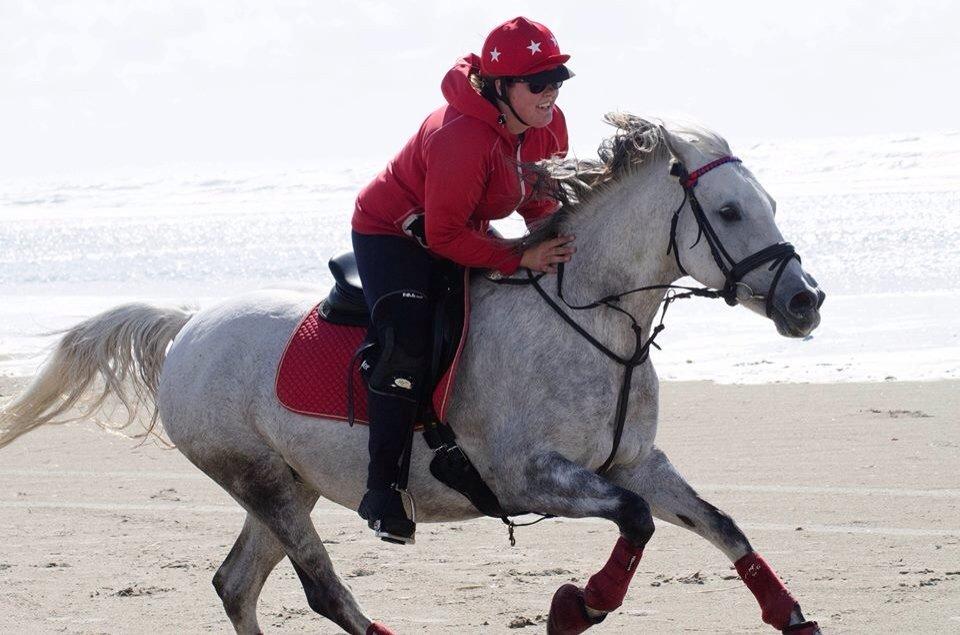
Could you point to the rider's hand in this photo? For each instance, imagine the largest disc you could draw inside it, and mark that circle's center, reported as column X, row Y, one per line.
column 545, row 256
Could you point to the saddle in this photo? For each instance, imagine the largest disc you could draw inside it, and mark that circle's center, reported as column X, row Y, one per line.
column 345, row 303
column 318, row 374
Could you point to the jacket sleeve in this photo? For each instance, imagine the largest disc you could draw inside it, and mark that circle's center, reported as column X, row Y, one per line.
column 456, row 176
column 536, row 209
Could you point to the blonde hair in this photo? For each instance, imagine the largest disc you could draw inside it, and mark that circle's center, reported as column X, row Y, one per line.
column 476, row 81
column 484, row 86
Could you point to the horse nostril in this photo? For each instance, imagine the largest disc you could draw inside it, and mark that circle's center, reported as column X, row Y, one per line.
column 802, row 303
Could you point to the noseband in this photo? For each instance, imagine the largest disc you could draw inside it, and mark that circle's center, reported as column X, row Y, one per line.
column 734, row 290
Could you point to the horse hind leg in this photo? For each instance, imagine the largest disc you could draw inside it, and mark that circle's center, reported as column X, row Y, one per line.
column 267, row 488
column 240, row 578
column 672, row 499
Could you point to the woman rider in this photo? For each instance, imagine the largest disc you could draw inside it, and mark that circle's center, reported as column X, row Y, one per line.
column 434, row 201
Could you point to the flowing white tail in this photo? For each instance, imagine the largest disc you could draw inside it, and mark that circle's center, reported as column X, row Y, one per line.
column 125, row 346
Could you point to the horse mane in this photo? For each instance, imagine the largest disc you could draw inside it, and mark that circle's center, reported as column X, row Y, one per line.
column 574, row 182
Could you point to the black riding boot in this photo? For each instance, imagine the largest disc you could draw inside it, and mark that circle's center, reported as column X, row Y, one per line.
column 391, row 420
column 397, row 274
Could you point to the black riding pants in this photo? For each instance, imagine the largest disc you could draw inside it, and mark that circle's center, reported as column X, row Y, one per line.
column 387, row 264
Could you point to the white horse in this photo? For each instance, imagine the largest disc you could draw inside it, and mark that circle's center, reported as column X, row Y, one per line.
column 536, row 434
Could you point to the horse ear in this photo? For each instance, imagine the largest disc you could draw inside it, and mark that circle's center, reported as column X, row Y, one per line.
column 671, row 143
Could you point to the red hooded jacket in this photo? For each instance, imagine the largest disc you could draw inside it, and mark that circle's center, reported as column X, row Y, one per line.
column 460, row 171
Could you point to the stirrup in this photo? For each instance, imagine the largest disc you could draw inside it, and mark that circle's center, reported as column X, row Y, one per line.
column 398, row 531
column 393, row 526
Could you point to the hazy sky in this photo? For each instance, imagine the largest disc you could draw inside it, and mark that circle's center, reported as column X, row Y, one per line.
column 95, row 83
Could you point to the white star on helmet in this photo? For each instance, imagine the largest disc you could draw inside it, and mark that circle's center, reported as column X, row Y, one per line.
column 494, row 55
column 534, row 47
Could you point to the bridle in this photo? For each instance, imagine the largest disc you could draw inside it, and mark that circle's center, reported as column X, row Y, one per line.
column 734, row 289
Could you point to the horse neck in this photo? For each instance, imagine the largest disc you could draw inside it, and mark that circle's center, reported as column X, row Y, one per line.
column 622, row 235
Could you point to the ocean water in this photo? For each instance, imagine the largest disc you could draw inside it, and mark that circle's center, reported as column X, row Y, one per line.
column 876, row 220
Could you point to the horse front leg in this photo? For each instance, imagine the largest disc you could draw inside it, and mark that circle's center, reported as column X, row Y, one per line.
column 553, row 485
column 672, row 499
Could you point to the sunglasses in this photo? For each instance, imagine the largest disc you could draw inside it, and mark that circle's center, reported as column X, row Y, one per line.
column 538, row 87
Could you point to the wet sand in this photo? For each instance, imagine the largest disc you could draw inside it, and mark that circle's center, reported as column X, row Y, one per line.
column 851, row 491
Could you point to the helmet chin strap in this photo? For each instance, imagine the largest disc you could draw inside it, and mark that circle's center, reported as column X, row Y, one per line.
column 502, row 96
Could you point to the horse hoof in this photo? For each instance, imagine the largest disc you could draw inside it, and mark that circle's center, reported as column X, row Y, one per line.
column 805, row 628
column 568, row 612
column 376, row 628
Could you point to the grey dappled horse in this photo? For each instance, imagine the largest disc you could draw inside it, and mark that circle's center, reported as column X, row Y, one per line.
column 536, row 428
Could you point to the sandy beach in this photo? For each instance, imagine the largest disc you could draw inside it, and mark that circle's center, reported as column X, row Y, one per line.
column 851, row 491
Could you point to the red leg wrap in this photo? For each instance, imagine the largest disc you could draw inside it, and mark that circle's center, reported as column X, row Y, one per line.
column 606, row 589
column 376, row 628
column 776, row 602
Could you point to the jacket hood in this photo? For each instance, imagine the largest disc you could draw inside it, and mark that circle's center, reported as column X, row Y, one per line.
column 460, row 94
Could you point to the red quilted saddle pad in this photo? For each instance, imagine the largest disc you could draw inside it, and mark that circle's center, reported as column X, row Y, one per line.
column 312, row 375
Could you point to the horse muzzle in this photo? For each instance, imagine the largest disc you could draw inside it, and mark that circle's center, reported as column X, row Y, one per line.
column 798, row 313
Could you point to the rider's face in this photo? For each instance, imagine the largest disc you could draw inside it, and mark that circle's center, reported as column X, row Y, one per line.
column 534, row 108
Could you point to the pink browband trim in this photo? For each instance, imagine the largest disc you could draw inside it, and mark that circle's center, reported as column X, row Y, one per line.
column 692, row 178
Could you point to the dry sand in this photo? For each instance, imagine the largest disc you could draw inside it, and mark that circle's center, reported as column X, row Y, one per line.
column 851, row 491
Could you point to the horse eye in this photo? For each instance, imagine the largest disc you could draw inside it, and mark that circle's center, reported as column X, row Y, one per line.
column 729, row 213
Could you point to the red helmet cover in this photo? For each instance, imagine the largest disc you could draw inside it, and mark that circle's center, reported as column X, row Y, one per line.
column 520, row 47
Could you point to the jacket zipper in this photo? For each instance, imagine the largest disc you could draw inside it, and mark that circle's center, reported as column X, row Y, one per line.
column 523, row 188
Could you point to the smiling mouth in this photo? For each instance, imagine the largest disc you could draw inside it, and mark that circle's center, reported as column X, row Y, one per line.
column 546, row 106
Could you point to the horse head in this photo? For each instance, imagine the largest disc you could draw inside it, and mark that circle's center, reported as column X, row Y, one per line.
column 725, row 234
